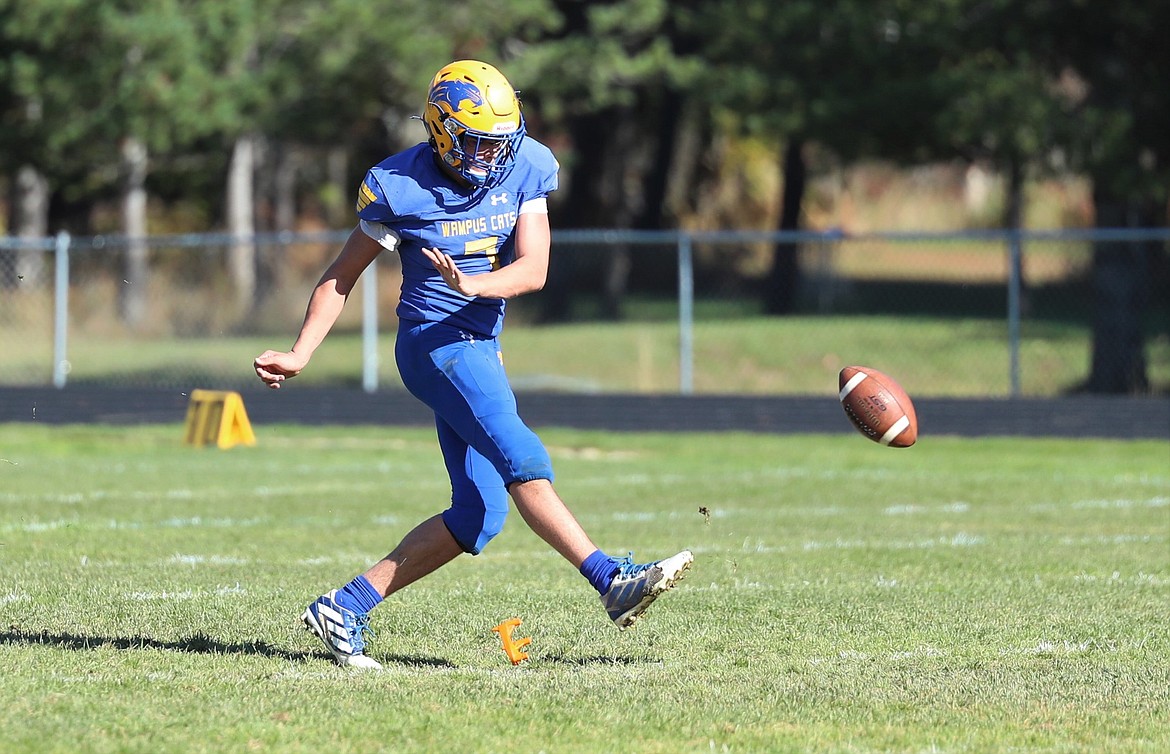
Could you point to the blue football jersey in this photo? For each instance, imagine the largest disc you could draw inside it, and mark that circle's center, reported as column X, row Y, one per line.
column 422, row 207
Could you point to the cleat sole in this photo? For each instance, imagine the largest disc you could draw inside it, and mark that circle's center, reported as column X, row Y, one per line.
column 628, row 618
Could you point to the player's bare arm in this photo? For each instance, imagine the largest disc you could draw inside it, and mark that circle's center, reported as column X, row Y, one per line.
column 527, row 272
column 325, row 305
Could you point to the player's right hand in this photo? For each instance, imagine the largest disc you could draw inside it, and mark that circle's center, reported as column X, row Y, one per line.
column 274, row 367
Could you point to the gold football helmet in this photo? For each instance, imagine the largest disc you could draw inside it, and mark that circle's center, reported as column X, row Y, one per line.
column 473, row 121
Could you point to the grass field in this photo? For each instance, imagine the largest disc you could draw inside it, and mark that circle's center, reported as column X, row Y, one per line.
column 959, row 596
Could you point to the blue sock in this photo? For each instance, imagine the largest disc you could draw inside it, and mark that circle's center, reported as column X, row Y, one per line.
column 359, row 596
column 600, row 569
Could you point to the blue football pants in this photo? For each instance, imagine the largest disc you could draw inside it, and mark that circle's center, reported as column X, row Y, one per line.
column 485, row 444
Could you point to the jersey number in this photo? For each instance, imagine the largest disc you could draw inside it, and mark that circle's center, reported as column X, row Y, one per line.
column 489, row 246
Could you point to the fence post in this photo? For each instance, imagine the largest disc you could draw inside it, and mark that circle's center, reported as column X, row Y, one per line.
column 370, row 328
column 1015, row 286
column 60, row 309
column 686, row 316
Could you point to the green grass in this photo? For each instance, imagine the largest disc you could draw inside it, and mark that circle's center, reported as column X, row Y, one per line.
column 931, row 356
column 959, row 596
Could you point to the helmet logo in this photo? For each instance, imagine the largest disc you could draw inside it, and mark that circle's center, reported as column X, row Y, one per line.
column 454, row 92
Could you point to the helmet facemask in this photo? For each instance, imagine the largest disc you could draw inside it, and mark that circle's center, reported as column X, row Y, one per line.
column 482, row 159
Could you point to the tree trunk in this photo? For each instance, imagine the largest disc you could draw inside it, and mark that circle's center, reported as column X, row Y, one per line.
column 134, row 284
column 784, row 277
column 1013, row 219
column 658, row 171
column 690, row 140
column 285, row 189
column 30, row 208
column 1120, row 297
column 241, row 222
column 282, row 190
column 580, row 209
column 622, row 177
column 603, row 191
column 339, row 211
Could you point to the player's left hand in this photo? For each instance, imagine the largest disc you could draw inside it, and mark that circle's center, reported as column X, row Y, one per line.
column 450, row 272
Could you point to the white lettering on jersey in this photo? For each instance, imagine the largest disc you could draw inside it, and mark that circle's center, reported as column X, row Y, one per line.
column 504, row 222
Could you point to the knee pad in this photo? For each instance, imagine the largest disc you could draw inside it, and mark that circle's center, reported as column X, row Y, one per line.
column 518, row 453
column 476, row 516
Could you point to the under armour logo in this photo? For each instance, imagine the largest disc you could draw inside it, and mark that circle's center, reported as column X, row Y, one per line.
column 500, row 198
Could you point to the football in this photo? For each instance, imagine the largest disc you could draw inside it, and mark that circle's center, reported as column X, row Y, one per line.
column 878, row 406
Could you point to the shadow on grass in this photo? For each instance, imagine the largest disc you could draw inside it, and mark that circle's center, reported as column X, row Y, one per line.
column 600, row 660
column 197, row 644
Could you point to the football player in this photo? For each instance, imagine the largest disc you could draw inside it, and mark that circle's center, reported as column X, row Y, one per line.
column 466, row 211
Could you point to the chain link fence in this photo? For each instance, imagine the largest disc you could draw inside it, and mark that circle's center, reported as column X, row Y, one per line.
column 982, row 314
